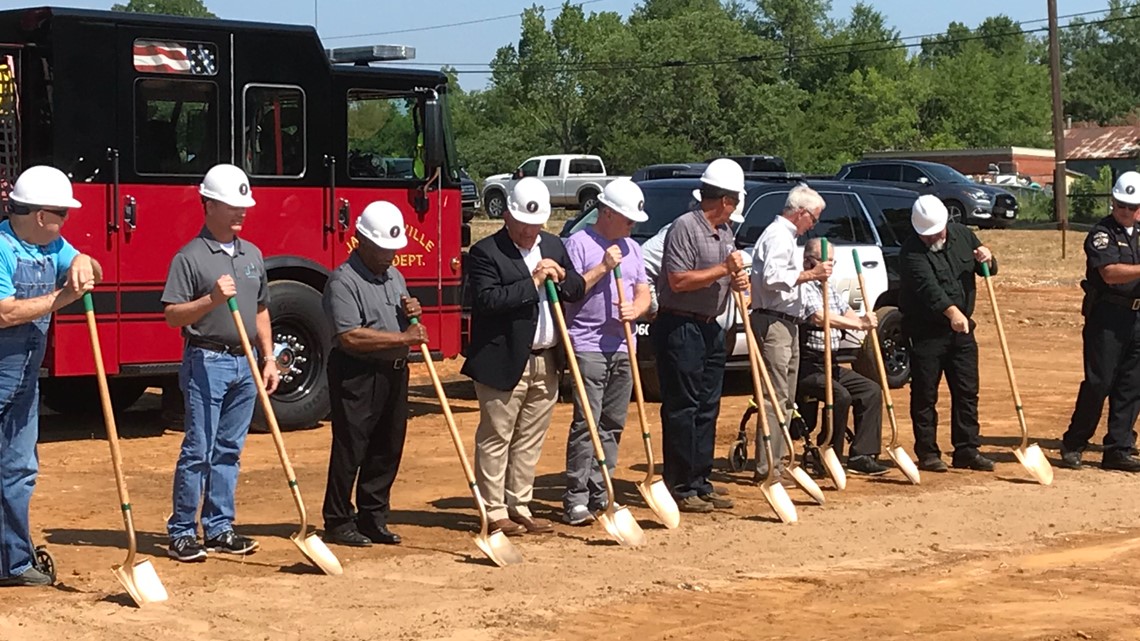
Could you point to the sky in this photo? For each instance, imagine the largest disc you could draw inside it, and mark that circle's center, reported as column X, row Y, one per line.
column 372, row 21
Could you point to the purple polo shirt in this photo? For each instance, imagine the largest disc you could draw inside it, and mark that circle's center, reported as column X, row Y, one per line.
column 593, row 322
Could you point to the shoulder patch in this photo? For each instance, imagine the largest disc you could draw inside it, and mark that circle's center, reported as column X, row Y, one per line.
column 1100, row 240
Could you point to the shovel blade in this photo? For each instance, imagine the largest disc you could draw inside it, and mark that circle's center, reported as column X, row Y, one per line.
column 318, row 553
column 781, row 503
column 497, row 547
column 610, row 526
column 628, row 528
column 658, row 498
column 141, row 582
column 807, row 484
column 834, row 467
column 905, row 463
column 1034, row 462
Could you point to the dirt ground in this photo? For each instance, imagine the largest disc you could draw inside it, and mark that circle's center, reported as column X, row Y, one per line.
column 962, row 556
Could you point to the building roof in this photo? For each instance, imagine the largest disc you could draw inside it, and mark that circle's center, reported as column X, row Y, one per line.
column 1087, row 143
column 958, row 153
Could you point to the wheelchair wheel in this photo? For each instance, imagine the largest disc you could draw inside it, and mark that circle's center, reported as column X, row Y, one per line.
column 44, row 562
column 738, row 459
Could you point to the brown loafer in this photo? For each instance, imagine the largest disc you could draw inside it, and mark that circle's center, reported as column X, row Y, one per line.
column 508, row 527
column 533, row 526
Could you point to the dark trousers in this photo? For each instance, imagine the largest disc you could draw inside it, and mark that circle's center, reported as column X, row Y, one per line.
column 690, row 367
column 369, row 422
column 934, row 353
column 850, row 390
column 1112, row 371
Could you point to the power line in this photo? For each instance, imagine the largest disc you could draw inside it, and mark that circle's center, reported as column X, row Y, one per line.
column 451, row 24
column 821, row 51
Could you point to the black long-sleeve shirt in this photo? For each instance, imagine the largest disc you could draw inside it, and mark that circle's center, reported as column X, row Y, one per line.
column 933, row 281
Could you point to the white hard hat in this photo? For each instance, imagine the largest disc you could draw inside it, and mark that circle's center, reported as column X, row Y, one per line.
column 43, row 186
column 530, row 202
column 928, row 215
column 625, row 197
column 227, row 184
column 1127, row 188
column 724, row 173
column 383, row 224
column 737, row 215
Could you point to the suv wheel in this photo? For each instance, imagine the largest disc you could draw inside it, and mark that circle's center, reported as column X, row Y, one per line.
column 496, row 204
column 957, row 211
column 895, row 347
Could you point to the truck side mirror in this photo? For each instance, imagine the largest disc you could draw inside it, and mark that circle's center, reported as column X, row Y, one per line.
column 435, row 152
column 518, row 174
column 923, row 180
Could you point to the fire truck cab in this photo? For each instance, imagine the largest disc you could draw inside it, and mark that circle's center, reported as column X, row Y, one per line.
column 136, row 108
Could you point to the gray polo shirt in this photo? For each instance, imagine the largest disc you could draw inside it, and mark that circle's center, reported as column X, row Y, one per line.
column 692, row 244
column 355, row 297
column 195, row 269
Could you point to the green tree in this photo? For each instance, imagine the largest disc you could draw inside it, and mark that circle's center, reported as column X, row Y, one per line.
column 185, row 8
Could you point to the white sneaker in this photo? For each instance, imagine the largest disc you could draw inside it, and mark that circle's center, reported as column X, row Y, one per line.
column 578, row 515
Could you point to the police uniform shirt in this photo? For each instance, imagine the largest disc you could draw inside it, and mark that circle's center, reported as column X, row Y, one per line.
column 1109, row 243
column 355, row 297
column 198, row 266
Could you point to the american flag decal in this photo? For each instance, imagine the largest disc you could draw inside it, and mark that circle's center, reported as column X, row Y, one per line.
column 153, row 56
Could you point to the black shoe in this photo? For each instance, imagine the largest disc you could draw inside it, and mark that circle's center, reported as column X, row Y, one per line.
column 1070, row 460
column 347, row 535
column 230, row 542
column 381, row 535
column 717, row 501
column 866, row 466
column 694, row 504
column 30, row 578
column 975, row 462
column 186, row 549
column 933, row 464
column 1120, row 461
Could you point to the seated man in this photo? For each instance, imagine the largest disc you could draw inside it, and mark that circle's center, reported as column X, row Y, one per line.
column 849, row 388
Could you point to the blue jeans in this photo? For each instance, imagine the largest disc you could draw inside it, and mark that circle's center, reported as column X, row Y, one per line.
column 220, row 394
column 690, row 367
column 21, row 353
column 608, row 386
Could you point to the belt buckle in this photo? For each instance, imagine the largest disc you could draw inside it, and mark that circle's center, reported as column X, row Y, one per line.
column 1136, row 304
column 399, row 363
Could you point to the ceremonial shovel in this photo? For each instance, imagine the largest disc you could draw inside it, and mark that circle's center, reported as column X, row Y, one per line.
column 773, row 492
column 140, row 579
column 618, row 522
column 307, row 542
column 495, row 544
column 896, row 452
column 656, row 495
column 826, row 451
column 1030, row 456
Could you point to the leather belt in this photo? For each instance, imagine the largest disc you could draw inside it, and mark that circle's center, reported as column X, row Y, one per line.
column 214, row 346
column 697, row 317
column 1120, row 301
column 779, row 315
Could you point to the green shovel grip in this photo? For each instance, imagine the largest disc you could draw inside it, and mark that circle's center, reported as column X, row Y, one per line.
column 551, row 292
column 88, row 306
column 986, row 269
column 617, row 271
column 858, row 265
column 415, row 320
column 823, row 248
column 232, row 304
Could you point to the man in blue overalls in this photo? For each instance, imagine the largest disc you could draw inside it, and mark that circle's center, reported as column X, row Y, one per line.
column 40, row 272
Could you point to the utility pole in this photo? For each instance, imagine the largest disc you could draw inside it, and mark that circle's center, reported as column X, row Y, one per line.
column 316, row 16
column 1060, row 190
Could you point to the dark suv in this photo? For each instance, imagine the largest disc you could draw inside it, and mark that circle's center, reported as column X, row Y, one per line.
column 857, row 215
column 969, row 202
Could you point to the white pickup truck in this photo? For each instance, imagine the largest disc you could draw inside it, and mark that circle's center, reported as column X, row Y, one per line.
column 574, row 182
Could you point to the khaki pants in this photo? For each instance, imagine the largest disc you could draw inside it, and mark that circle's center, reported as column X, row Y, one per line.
column 508, row 441
column 780, row 347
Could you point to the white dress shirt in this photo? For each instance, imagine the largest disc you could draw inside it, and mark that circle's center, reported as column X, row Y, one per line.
column 544, row 334
column 774, row 270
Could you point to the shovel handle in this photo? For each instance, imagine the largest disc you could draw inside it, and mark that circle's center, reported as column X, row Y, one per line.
column 828, row 388
column 270, row 416
column 112, row 430
column 1006, row 355
column 635, row 372
column 468, row 473
column 758, row 390
column 572, row 362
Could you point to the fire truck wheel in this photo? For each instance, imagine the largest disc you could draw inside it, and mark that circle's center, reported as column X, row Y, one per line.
column 301, row 339
column 79, row 395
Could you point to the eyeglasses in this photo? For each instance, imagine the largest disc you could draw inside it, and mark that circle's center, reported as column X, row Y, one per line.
column 1126, row 206
column 62, row 213
column 814, row 218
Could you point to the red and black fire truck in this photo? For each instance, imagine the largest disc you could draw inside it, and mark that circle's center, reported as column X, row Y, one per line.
column 135, row 108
